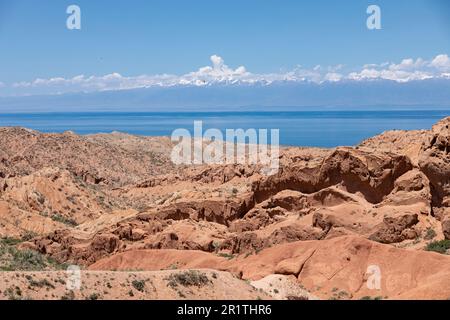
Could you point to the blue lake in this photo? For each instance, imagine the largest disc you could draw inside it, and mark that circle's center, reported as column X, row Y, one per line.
column 299, row 128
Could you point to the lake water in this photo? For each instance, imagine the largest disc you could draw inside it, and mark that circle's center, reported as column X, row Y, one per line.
column 302, row 128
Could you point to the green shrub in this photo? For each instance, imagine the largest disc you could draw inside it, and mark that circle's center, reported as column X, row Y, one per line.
column 27, row 260
column 439, row 246
column 9, row 241
column 41, row 283
column 187, row 279
column 12, row 259
column 64, row 220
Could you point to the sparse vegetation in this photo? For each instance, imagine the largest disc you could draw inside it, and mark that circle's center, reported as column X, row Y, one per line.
column 181, row 294
column 28, row 236
column 216, row 246
column 13, row 293
column 41, row 283
column 9, row 241
column 173, row 266
column 439, row 246
column 64, row 220
column 371, row 298
column 339, row 294
column 94, row 296
column 430, row 234
column 187, row 279
column 139, row 285
column 68, row 296
column 228, row 256
column 12, row 259
column 24, row 260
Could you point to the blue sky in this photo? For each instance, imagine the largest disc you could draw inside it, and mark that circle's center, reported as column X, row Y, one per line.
column 137, row 37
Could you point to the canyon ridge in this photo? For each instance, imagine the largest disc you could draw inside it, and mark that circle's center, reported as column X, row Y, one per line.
column 370, row 221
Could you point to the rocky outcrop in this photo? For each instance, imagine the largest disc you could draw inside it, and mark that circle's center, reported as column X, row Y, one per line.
column 372, row 175
column 435, row 162
column 396, row 229
column 446, row 228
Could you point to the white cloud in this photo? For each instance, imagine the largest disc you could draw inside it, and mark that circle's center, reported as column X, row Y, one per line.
column 408, row 64
column 219, row 73
column 441, row 62
column 389, row 74
column 333, row 77
column 407, row 70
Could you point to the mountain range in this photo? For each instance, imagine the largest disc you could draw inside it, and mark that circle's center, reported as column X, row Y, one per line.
column 223, row 96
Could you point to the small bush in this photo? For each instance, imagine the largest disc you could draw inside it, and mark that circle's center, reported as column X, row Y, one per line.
column 94, row 296
column 188, row 278
column 28, row 236
column 439, row 246
column 68, row 296
column 64, row 220
column 371, row 298
column 139, row 285
column 8, row 241
column 430, row 234
column 226, row 255
column 41, row 283
column 13, row 293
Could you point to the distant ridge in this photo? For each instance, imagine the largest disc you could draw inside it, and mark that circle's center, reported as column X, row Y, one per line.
column 344, row 94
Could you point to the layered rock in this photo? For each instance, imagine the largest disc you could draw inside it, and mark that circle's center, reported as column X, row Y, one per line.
column 93, row 200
